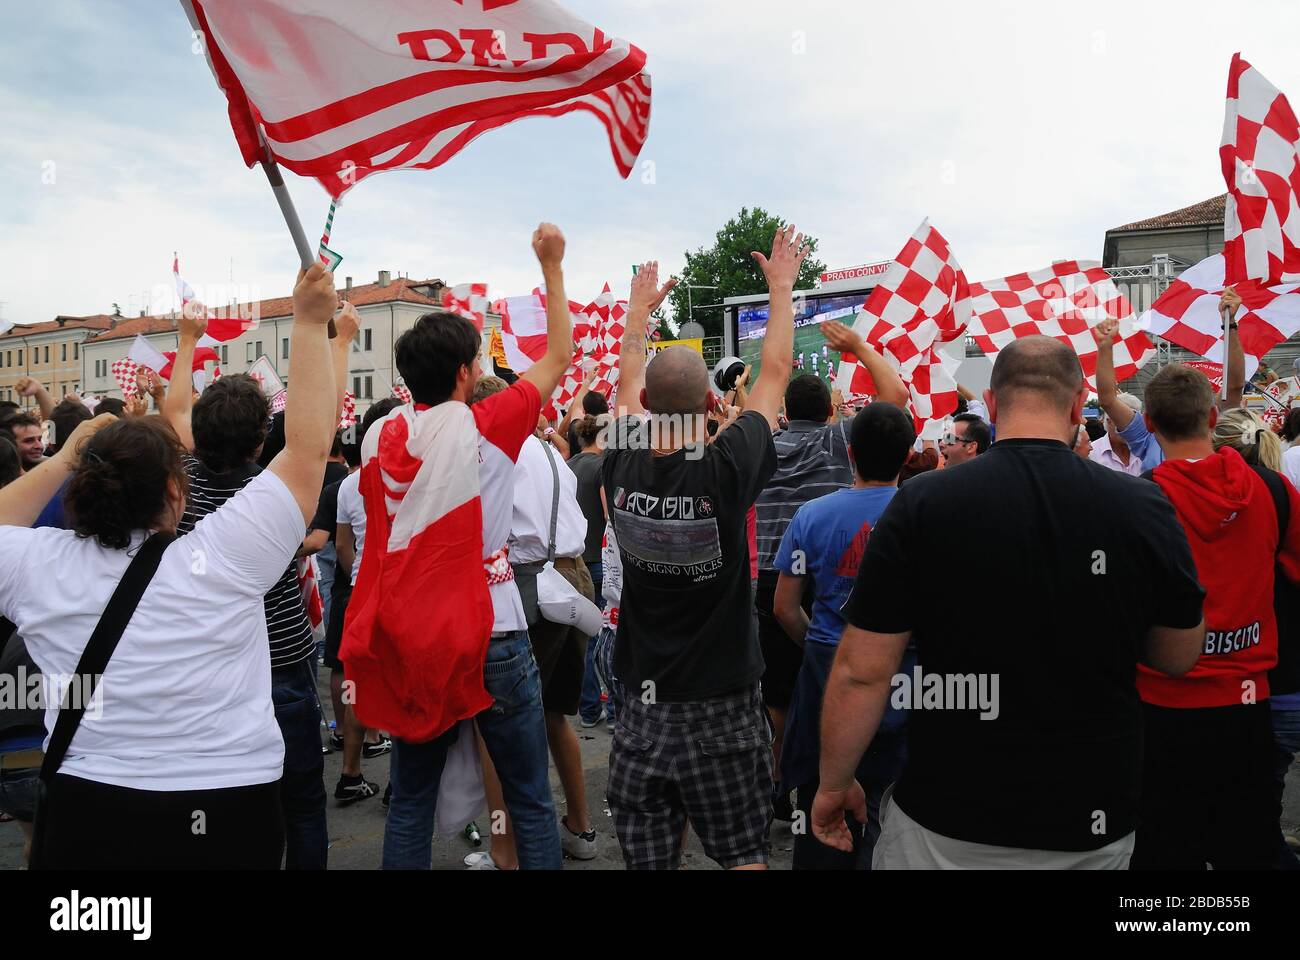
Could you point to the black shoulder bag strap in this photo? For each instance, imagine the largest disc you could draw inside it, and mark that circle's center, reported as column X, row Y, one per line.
column 555, row 502
column 94, row 659
column 1281, row 502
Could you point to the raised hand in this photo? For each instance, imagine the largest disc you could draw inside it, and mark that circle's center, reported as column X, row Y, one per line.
column 788, row 254
column 193, row 321
column 842, row 339
column 548, row 244
column 1105, row 332
column 1230, row 301
column 647, row 296
column 347, row 323
column 314, row 298
column 28, row 386
column 81, row 436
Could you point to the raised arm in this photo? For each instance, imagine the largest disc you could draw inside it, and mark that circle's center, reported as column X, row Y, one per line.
column 645, row 298
column 346, row 325
column 889, row 386
column 311, row 411
column 1235, row 367
column 22, row 501
column 31, row 387
column 545, row 374
column 781, row 271
column 1107, row 388
column 563, row 428
column 178, row 402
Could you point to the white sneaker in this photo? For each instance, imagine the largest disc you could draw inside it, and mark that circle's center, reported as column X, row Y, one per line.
column 580, row 846
column 481, row 861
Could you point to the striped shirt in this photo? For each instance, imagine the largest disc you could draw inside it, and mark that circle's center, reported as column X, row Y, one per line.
column 812, row 460
column 287, row 625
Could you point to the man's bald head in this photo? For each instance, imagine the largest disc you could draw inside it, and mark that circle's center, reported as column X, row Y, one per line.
column 1038, row 371
column 677, row 381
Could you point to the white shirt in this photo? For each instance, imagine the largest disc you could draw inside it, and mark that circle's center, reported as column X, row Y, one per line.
column 352, row 511
column 530, row 530
column 185, row 702
column 1103, row 454
column 1291, row 465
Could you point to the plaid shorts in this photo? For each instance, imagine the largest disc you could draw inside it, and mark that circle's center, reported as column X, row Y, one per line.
column 708, row 762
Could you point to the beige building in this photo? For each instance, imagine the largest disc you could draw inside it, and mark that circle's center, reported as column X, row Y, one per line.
column 51, row 352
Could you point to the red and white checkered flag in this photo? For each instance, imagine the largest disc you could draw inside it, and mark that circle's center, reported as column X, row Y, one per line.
column 338, row 90
column 468, row 300
column 1261, row 164
column 1188, row 314
column 124, row 372
column 921, row 301
column 278, row 402
column 348, row 418
column 401, row 392
column 607, row 316
column 1064, row 301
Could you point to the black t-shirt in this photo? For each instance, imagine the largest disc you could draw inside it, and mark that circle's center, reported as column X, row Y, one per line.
column 684, row 617
column 587, row 467
column 327, row 510
column 1045, row 571
column 334, row 472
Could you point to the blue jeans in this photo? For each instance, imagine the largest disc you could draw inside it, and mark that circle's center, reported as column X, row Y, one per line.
column 514, row 731
column 326, row 563
column 1286, row 744
column 589, row 705
column 302, row 785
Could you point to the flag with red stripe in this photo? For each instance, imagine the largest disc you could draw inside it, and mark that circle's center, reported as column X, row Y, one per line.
column 339, row 90
column 420, row 616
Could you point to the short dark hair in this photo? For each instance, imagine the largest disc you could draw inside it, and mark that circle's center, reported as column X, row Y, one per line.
column 594, row 404
column 881, row 436
column 121, row 485
column 430, row 355
column 111, row 405
column 229, row 422
column 1178, row 402
column 977, row 430
column 1096, row 429
column 24, row 419
column 65, row 416
column 1291, row 426
column 808, row 398
column 1039, row 365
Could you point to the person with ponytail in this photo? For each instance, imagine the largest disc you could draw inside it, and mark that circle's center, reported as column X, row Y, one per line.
column 176, row 757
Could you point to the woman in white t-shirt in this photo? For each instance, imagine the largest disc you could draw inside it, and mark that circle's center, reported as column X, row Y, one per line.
column 176, row 761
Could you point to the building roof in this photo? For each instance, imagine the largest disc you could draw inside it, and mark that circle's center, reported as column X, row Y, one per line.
column 1207, row 213
column 398, row 290
column 99, row 321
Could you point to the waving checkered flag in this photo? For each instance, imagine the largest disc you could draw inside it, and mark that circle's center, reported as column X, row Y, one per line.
column 1261, row 164
column 1064, row 301
column 922, row 300
column 124, row 372
column 468, row 300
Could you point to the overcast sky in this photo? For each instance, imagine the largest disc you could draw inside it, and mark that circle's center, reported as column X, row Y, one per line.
column 1023, row 130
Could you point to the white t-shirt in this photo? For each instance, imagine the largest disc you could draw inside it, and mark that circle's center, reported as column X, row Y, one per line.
column 185, row 702
column 1291, row 465
column 530, row 531
column 352, row 510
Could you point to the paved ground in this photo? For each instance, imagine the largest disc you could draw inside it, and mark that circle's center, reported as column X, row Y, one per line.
column 356, row 832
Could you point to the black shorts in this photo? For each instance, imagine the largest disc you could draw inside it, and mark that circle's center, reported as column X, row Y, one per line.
column 708, row 762
column 781, row 655
column 334, row 629
column 561, row 649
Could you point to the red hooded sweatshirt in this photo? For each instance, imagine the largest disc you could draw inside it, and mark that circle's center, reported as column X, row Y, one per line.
column 1230, row 520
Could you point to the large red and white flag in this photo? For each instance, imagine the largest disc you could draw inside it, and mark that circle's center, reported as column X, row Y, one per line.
column 922, row 300
column 1188, row 314
column 309, row 586
column 1261, row 164
column 1065, row 301
column 420, row 617
column 339, row 90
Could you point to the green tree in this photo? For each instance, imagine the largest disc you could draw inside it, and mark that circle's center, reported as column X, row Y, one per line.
column 728, row 266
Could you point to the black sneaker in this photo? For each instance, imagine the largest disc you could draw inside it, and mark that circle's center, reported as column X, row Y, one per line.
column 372, row 750
column 336, row 741
column 347, row 792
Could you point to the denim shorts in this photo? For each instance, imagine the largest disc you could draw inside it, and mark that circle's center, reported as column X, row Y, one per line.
column 18, row 793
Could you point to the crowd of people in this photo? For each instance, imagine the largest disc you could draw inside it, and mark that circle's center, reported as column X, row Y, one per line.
column 1043, row 641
